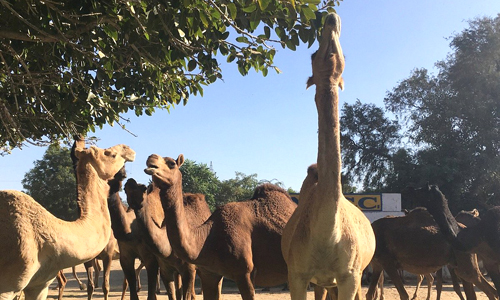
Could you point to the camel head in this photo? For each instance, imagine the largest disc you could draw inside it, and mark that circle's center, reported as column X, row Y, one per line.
column 164, row 170
column 106, row 162
column 328, row 62
column 135, row 193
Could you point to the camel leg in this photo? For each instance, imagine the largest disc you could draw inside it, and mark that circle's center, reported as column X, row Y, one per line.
column 37, row 293
column 188, row 277
column 468, row 270
column 82, row 285
column 211, row 285
column 245, row 286
column 127, row 264
column 332, row 293
column 319, row 292
column 494, row 272
column 167, row 276
column 125, row 286
column 470, row 294
column 397, row 281
column 97, row 272
column 439, row 283
column 377, row 275
column 106, row 264
column 89, row 267
column 137, row 274
column 430, row 281
column 298, row 286
column 349, row 286
column 152, row 269
column 455, row 282
column 61, row 283
column 381, row 285
column 419, row 282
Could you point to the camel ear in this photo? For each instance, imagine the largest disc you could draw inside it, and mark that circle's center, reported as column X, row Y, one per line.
column 180, row 160
column 310, row 82
column 341, row 83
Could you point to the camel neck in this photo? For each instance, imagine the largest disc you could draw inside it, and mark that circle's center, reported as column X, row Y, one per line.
column 92, row 229
column 329, row 160
column 186, row 240
column 120, row 222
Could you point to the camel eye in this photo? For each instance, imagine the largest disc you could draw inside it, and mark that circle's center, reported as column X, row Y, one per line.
column 171, row 164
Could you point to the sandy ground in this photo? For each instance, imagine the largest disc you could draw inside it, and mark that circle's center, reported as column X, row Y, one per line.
column 72, row 290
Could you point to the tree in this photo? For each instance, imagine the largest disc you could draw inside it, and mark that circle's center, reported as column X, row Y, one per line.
column 368, row 139
column 199, row 178
column 69, row 67
column 454, row 117
column 52, row 182
column 237, row 189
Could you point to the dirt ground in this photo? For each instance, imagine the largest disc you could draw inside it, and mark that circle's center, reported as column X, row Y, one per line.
column 72, row 291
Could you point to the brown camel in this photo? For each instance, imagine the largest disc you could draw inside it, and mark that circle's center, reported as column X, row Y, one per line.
column 482, row 237
column 36, row 245
column 414, row 243
column 150, row 216
column 62, row 280
column 328, row 240
column 132, row 246
column 240, row 240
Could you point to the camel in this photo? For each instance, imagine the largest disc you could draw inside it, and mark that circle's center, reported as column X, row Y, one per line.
column 404, row 243
column 328, row 240
column 132, row 246
column 481, row 237
column 150, row 216
column 240, row 240
column 62, row 280
column 36, row 245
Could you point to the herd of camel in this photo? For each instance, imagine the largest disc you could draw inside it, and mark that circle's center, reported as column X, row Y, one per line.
column 265, row 241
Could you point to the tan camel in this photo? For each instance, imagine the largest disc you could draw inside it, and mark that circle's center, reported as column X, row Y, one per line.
column 36, row 245
column 240, row 240
column 150, row 216
column 327, row 241
column 414, row 243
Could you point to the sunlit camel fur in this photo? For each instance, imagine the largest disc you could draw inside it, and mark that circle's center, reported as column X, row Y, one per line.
column 327, row 241
column 240, row 240
column 36, row 245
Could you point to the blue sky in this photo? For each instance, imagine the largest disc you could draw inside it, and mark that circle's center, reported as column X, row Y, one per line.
column 268, row 125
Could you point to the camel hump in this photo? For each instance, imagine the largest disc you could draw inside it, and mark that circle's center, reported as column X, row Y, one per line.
column 263, row 190
column 190, row 198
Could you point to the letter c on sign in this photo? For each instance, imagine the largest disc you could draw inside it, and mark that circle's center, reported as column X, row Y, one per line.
column 367, row 203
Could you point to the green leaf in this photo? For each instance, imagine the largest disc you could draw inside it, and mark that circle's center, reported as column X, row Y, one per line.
column 232, row 10
column 308, row 13
column 251, row 8
column 191, row 65
column 242, row 39
column 263, row 4
column 267, row 32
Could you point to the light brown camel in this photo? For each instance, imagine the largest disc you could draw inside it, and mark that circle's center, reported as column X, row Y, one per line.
column 240, row 240
column 150, row 216
column 414, row 243
column 482, row 238
column 36, row 245
column 328, row 240
column 132, row 246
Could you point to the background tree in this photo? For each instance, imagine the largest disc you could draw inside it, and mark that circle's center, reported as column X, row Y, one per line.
column 368, row 139
column 199, row 178
column 52, row 182
column 237, row 189
column 70, row 66
column 452, row 123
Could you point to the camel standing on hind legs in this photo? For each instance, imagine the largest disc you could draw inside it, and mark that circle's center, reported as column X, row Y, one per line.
column 327, row 241
column 36, row 245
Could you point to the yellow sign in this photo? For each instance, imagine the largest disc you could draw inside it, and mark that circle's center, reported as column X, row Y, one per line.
column 365, row 202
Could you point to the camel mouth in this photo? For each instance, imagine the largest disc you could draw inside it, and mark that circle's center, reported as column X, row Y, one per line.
column 333, row 23
column 151, row 169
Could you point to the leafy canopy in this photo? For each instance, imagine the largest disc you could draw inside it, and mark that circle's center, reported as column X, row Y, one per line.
column 67, row 67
